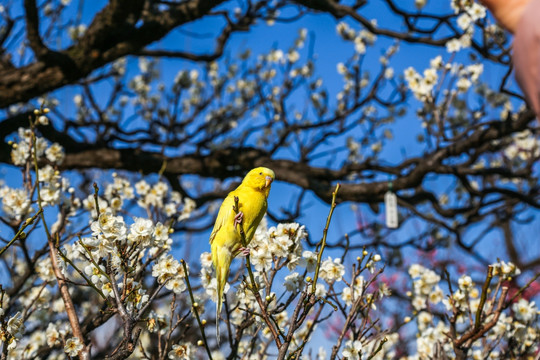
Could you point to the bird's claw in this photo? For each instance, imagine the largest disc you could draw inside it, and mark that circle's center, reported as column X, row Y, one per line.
column 244, row 251
column 238, row 219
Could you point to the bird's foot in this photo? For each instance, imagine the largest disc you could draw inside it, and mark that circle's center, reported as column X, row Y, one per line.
column 238, row 219
column 244, row 251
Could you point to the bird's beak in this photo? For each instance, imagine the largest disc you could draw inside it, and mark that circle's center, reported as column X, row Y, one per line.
column 268, row 181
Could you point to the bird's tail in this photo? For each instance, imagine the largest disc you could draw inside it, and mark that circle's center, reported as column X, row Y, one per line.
column 222, row 263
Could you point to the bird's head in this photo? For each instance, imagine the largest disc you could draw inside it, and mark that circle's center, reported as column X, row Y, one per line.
column 259, row 178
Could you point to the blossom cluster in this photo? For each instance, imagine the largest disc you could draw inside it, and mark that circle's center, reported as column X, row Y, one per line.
column 114, row 251
column 463, row 305
column 54, row 188
column 423, row 86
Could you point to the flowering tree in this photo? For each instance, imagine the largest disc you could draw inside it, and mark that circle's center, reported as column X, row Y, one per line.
column 90, row 261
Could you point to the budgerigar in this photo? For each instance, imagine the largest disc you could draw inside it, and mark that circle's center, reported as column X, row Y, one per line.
column 225, row 240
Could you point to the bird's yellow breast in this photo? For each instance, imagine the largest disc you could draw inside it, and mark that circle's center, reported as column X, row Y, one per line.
column 253, row 204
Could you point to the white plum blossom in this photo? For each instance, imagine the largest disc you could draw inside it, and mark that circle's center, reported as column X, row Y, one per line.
column 525, row 311
column 37, row 298
column 332, row 270
column 15, row 202
column 463, row 85
column 465, row 282
column 424, row 320
column 44, row 270
column 142, row 187
column 430, row 336
column 20, row 152
column 524, row 146
column 55, row 153
column 321, row 354
column 425, row 285
column 95, row 274
column 352, row 350
column 320, row 290
column 505, row 269
column 43, row 120
column 210, row 286
column 15, row 325
column 206, row 260
column 160, row 236
column 50, row 194
column 106, row 232
column 308, row 260
column 421, row 86
column 453, row 45
column 73, row 346
column 261, row 259
column 476, row 11
column 177, row 284
column 141, row 231
column 293, row 282
column 464, row 21
column 275, row 56
column 166, row 268
column 347, row 296
column 293, row 56
column 180, row 352
column 52, row 335
column 474, row 71
column 189, row 207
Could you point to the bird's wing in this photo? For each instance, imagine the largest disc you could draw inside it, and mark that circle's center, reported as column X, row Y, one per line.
column 226, row 213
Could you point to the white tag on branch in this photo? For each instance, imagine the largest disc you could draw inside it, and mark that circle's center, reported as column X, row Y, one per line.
column 390, row 204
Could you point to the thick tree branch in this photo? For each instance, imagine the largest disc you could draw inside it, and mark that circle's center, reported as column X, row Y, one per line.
column 32, row 29
column 114, row 33
column 231, row 162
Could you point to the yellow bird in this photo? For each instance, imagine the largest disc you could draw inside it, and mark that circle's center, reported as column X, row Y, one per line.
column 225, row 240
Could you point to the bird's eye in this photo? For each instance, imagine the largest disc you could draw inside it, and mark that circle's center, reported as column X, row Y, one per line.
column 260, row 173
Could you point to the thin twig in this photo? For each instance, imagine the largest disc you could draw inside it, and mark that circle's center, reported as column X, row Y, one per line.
column 195, row 306
column 19, row 233
column 485, row 288
column 323, row 240
column 84, row 353
column 521, row 290
column 88, row 281
column 96, row 199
